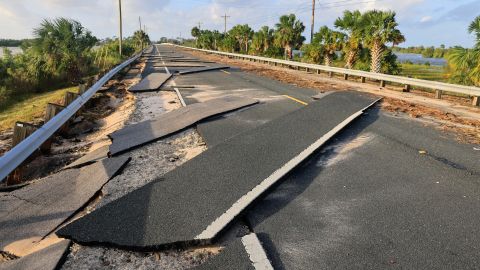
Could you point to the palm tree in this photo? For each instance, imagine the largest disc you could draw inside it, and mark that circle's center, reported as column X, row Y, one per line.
column 351, row 23
column 263, row 39
column 313, row 52
column 288, row 34
column 379, row 28
column 141, row 39
column 243, row 34
column 332, row 41
column 62, row 45
column 196, row 33
column 466, row 62
column 474, row 28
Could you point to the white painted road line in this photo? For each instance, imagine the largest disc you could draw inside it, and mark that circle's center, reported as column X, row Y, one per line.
column 234, row 211
column 256, row 253
column 182, row 101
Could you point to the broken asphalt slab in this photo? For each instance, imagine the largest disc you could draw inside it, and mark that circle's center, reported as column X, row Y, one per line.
column 196, row 201
column 179, row 65
column 89, row 158
column 198, row 70
column 49, row 258
column 39, row 208
column 139, row 134
column 371, row 200
column 151, row 82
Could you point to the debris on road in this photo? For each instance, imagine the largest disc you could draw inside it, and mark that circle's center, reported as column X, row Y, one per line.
column 197, row 70
column 89, row 158
column 168, row 123
column 152, row 82
column 36, row 210
column 46, row 259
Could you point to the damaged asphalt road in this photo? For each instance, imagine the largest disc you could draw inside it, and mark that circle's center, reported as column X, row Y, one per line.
column 385, row 192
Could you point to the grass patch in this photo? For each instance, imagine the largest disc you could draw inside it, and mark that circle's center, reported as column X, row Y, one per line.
column 431, row 73
column 27, row 107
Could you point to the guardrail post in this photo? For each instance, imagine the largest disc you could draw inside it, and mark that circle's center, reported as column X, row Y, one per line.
column 364, row 79
column 82, row 88
column 52, row 110
column 318, row 71
column 330, row 74
column 345, row 76
column 438, row 94
column 476, row 101
column 406, row 88
column 69, row 98
column 382, row 83
column 21, row 131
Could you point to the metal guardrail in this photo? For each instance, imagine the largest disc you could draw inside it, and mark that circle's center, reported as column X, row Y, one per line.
column 17, row 155
column 439, row 86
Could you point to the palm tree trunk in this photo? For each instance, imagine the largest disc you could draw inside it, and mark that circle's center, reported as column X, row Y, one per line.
column 351, row 57
column 328, row 58
column 377, row 55
column 288, row 52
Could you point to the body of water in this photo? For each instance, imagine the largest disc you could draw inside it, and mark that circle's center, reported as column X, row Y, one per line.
column 419, row 59
column 15, row 50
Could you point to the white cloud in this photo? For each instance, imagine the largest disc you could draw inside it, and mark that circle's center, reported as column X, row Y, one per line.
column 425, row 19
column 170, row 18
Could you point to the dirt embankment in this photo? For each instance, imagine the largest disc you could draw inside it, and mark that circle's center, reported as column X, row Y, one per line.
column 104, row 113
column 453, row 114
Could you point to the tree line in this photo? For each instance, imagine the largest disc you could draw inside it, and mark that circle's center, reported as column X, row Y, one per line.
column 11, row 42
column 61, row 53
column 359, row 39
column 364, row 41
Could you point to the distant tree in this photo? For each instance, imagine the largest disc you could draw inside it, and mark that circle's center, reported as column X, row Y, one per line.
column 465, row 63
column 331, row 41
column 195, row 33
column 61, row 45
column 263, row 39
column 141, row 39
column 379, row 28
column 206, row 40
column 242, row 34
column 351, row 23
column 313, row 52
column 288, row 34
column 474, row 28
column 228, row 44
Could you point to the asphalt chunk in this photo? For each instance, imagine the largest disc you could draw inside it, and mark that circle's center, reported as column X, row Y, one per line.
column 139, row 134
column 198, row 70
column 49, row 258
column 151, row 82
column 89, row 158
column 182, row 206
column 39, row 208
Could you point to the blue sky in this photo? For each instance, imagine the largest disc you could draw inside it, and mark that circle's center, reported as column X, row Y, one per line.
column 424, row 22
